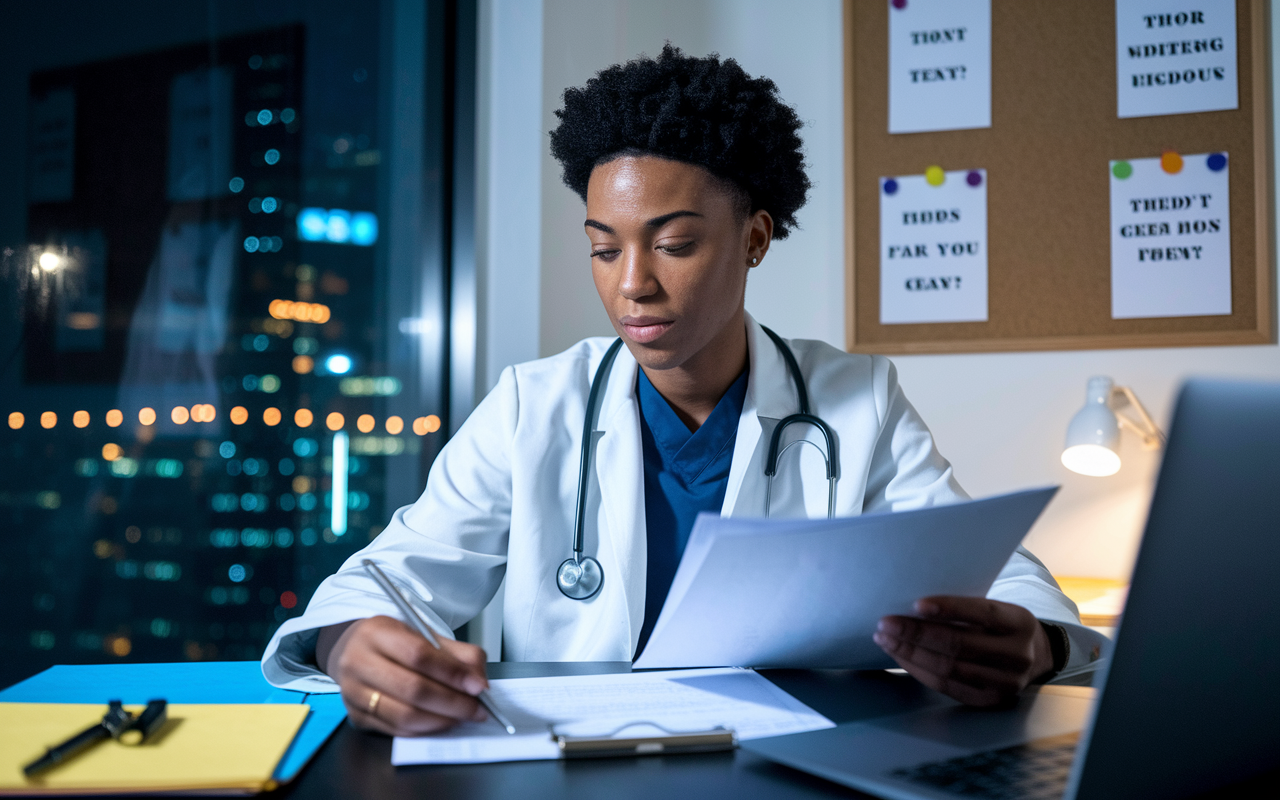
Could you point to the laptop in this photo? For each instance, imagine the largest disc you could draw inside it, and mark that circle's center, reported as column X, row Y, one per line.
column 1191, row 693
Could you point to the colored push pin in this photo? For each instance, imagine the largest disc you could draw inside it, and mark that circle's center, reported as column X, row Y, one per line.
column 890, row 186
column 974, row 178
column 1216, row 162
column 1171, row 162
column 1121, row 169
column 934, row 176
column 898, row 4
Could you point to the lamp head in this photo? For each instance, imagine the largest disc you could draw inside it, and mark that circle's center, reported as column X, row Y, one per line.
column 1093, row 433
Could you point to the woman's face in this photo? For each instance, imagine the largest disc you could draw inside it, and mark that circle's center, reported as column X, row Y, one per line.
column 670, row 250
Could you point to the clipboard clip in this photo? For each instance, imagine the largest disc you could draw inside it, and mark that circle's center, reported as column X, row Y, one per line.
column 668, row 743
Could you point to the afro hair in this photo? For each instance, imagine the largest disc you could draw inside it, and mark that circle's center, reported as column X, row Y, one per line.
column 700, row 111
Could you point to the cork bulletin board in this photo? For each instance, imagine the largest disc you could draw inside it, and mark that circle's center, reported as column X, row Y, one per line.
column 1054, row 131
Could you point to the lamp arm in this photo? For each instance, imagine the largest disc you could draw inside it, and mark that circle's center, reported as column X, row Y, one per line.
column 1152, row 436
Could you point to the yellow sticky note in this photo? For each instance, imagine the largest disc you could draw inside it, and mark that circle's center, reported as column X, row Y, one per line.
column 229, row 748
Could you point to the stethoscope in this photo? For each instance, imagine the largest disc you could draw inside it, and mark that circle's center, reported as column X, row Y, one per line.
column 581, row 576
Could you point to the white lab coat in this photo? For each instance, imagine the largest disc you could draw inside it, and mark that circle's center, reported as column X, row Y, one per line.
column 500, row 500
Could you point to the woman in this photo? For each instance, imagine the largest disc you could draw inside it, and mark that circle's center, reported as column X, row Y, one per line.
column 689, row 169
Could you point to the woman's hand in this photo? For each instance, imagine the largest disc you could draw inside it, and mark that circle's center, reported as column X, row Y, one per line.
column 981, row 652
column 395, row 682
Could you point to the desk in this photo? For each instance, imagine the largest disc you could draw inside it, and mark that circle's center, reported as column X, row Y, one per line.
column 356, row 764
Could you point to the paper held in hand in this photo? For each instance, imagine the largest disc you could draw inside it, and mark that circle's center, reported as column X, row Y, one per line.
column 808, row 593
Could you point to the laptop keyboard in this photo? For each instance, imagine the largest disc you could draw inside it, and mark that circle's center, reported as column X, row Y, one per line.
column 1029, row 771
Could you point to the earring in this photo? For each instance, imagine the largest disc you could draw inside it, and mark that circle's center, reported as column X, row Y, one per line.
column 754, row 261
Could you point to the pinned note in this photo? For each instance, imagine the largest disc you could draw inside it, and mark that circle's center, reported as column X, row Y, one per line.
column 933, row 247
column 1174, row 58
column 939, row 65
column 1170, row 236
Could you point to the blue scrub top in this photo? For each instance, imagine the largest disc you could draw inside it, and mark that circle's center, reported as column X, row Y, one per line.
column 685, row 473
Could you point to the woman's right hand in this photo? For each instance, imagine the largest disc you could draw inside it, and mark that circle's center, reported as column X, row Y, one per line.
column 395, row 682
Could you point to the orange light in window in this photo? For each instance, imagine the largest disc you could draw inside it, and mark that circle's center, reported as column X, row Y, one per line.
column 147, row 416
column 299, row 311
column 80, row 419
column 334, row 421
column 111, row 452
column 271, row 416
column 16, row 420
column 202, row 412
column 365, row 423
column 48, row 419
column 239, row 415
column 120, row 646
column 114, row 418
column 428, row 424
column 394, row 425
column 179, row 415
column 303, row 364
column 302, row 484
column 303, row 418
column 433, row 423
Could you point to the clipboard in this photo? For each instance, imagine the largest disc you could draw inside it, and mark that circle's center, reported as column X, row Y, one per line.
column 668, row 743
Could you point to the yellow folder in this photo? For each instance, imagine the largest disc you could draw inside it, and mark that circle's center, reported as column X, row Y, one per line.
column 204, row 749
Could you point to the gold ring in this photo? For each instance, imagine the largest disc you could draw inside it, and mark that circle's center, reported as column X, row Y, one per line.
column 373, row 702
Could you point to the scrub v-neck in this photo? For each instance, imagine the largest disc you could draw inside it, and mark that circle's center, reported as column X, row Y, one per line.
column 685, row 473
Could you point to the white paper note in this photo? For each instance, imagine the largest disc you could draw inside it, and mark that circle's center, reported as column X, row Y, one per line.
column 933, row 247
column 808, row 593
column 1170, row 237
column 939, row 65
column 595, row 705
column 1175, row 58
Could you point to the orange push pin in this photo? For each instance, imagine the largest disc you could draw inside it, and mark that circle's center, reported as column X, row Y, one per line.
column 1171, row 162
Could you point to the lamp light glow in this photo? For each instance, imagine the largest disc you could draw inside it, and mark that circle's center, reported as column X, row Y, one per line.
column 1091, row 459
column 1094, row 433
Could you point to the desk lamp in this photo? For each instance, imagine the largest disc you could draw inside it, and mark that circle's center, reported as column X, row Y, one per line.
column 1094, row 431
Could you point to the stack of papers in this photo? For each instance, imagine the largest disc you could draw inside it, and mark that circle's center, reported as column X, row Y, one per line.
column 202, row 749
column 597, row 705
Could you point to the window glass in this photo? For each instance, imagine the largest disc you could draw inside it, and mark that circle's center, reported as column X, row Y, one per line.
column 201, row 390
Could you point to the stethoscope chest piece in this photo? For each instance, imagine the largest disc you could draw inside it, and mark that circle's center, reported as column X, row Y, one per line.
column 580, row 579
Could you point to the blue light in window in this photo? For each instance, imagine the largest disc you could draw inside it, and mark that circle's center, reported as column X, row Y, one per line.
column 236, row 185
column 336, row 225
column 364, row 228
column 339, row 226
column 271, row 156
column 312, row 224
column 227, row 449
column 264, row 117
column 237, row 573
column 269, row 204
column 338, row 364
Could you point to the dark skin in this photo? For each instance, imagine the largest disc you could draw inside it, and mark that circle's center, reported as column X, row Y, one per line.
column 670, row 252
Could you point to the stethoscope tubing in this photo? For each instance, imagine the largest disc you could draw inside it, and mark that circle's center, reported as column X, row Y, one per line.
column 580, row 577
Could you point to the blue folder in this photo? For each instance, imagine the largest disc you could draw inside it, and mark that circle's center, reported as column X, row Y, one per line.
column 196, row 682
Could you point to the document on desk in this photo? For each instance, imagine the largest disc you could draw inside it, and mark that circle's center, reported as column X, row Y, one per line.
column 596, row 705
column 808, row 593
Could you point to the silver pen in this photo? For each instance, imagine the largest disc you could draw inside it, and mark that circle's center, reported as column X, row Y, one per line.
column 420, row 625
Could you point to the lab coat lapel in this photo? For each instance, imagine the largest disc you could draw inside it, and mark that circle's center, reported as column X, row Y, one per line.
column 619, row 469
column 770, row 397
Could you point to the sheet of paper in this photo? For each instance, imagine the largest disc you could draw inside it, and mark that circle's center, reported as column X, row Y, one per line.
column 595, row 705
column 808, row 593
column 1175, row 58
column 933, row 247
column 939, row 65
column 1170, row 236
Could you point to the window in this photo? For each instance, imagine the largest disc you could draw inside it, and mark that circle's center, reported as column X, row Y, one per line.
column 225, row 316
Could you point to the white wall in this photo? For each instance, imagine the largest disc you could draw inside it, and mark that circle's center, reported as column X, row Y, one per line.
column 1000, row 418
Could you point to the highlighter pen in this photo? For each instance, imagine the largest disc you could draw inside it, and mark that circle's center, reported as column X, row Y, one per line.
column 419, row 624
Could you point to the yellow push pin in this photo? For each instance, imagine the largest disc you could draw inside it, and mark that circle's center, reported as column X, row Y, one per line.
column 934, row 175
column 1171, row 162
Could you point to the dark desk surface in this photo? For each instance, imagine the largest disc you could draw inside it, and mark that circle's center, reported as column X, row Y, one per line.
column 356, row 764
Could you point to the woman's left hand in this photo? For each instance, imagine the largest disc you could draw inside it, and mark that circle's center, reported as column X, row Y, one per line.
column 981, row 652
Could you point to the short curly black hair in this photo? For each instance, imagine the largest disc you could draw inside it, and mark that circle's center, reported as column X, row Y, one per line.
column 701, row 111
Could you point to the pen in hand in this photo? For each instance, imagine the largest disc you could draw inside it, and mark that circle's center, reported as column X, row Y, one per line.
column 416, row 622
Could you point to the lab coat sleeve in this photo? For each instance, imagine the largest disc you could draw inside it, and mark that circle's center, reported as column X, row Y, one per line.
column 1025, row 581
column 447, row 551
column 907, row 472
